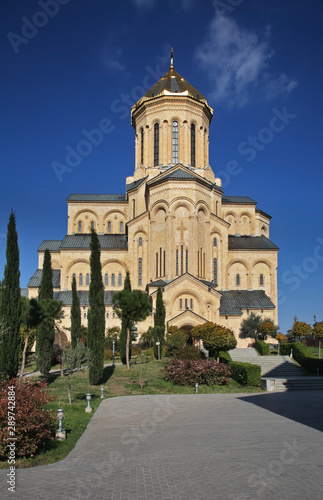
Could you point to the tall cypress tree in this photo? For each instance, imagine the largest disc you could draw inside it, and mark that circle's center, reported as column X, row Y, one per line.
column 10, row 307
column 96, row 315
column 75, row 316
column 123, row 332
column 159, row 323
column 45, row 335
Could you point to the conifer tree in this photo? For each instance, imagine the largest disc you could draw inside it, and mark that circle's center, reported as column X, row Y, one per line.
column 123, row 332
column 96, row 315
column 46, row 329
column 10, row 306
column 159, row 323
column 75, row 316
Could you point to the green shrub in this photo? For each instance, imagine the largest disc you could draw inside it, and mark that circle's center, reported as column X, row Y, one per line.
column 245, row 373
column 284, row 349
column 34, row 426
column 305, row 358
column 149, row 352
column 262, row 347
column 188, row 352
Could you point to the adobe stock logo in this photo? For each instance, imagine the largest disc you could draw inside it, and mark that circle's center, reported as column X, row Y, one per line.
column 30, row 28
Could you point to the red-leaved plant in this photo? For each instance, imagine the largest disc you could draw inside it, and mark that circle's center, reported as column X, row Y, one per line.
column 188, row 372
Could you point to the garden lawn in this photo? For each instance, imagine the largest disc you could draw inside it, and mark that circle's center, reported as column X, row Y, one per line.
column 145, row 378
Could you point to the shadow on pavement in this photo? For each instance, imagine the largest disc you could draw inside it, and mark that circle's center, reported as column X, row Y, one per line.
column 305, row 407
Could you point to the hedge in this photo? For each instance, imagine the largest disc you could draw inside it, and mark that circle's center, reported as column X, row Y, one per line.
column 262, row 347
column 245, row 373
column 303, row 356
column 284, row 349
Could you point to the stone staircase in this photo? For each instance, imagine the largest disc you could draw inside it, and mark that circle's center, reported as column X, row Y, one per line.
column 278, row 373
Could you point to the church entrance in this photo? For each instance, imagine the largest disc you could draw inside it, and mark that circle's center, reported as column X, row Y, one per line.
column 188, row 330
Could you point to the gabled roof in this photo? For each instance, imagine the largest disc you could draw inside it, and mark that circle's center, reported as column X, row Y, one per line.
column 163, row 283
column 97, row 197
column 35, row 280
column 107, row 241
column 135, row 184
column 250, row 243
column 51, row 245
column 182, row 173
column 245, row 200
column 66, row 297
column 233, row 301
column 186, row 312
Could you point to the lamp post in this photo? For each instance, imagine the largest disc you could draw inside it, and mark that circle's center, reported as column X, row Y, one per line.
column 113, row 347
column 60, row 433
column 196, row 387
column 102, row 389
column 88, row 409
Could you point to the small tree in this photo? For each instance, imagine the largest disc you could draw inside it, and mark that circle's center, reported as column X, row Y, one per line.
column 74, row 359
column 215, row 338
column 318, row 329
column 131, row 307
column 268, row 327
column 301, row 329
column 251, row 327
column 159, row 324
column 31, row 316
column 75, row 316
column 147, row 338
column 112, row 335
column 175, row 340
column 123, row 332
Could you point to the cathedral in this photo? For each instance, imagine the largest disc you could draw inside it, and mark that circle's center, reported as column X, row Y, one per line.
column 172, row 228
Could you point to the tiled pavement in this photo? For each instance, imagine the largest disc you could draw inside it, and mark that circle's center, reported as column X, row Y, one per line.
column 203, row 447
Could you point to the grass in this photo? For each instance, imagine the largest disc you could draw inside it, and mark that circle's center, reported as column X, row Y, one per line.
column 314, row 351
column 145, row 378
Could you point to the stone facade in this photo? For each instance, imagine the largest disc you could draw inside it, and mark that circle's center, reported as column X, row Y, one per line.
column 174, row 228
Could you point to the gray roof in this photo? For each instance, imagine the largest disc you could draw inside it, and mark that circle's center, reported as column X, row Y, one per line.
column 250, row 243
column 135, row 184
column 66, row 297
column 35, row 280
column 233, row 301
column 107, row 241
column 24, row 292
column 51, row 245
column 238, row 199
column 96, row 197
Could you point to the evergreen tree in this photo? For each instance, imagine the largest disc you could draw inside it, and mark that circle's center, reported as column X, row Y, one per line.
column 159, row 324
column 46, row 329
column 75, row 316
column 96, row 315
column 10, row 307
column 123, row 332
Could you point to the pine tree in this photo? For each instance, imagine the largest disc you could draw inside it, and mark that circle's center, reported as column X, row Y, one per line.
column 123, row 332
column 46, row 330
column 96, row 315
column 10, row 307
column 75, row 316
column 159, row 323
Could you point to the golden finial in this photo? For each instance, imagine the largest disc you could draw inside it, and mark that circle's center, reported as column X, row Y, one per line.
column 172, row 58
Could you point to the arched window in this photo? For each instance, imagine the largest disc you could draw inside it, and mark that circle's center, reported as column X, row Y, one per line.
column 92, row 225
column 121, row 227
column 193, row 145
column 107, row 315
column 191, row 303
column 87, row 279
column 261, row 280
column 215, row 271
column 120, row 279
column 180, row 303
column 106, row 279
column 140, row 242
column 113, row 315
column 141, row 145
column 238, row 279
column 156, row 144
column 81, row 279
column 186, row 307
column 175, row 142
column 133, row 209
column 84, row 315
column 80, row 226
column 113, row 280
column 109, row 226
column 140, row 271
column 214, row 242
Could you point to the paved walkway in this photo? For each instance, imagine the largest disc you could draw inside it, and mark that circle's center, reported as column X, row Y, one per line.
column 203, row 447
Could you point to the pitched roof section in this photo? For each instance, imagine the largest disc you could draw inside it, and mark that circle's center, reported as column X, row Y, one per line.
column 66, row 297
column 51, row 245
column 35, row 280
column 233, row 301
column 182, row 173
column 173, row 83
column 135, row 184
column 24, row 292
column 250, row 243
column 107, row 241
column 245, row 200
column 97, row 197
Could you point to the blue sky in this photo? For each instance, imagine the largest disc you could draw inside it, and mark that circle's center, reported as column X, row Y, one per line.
column 83, row 63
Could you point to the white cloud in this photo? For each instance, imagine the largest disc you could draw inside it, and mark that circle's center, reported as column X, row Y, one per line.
column 237, row 62
column 144, row 4
column 111, row 59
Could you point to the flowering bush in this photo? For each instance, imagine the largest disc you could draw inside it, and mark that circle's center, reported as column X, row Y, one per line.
column 188, row 372
column 33, row 425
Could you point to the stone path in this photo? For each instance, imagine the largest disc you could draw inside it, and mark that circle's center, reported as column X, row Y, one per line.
column 179, row 447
